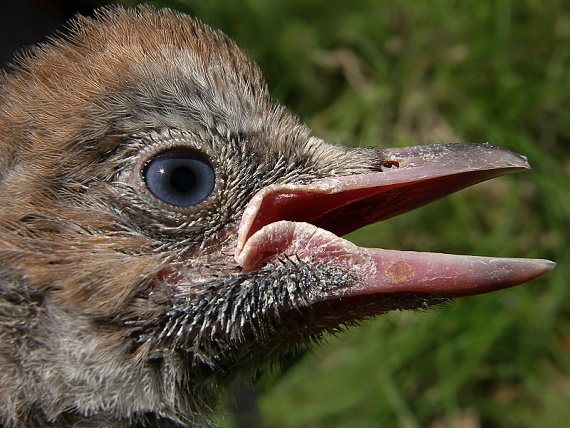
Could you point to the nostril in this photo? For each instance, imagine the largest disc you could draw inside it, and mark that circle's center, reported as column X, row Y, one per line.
column 388, row 164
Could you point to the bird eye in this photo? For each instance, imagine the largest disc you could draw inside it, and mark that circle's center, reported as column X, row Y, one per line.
column 180, row 177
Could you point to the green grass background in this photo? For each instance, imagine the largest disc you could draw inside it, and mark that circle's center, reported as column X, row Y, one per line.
column 395, row 73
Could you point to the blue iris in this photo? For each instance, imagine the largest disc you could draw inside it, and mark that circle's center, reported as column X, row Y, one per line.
column 180, row 177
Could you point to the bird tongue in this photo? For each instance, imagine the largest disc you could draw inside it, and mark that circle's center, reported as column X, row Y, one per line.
column 304, row 220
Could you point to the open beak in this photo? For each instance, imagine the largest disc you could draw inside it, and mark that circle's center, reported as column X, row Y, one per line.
column 305, row 221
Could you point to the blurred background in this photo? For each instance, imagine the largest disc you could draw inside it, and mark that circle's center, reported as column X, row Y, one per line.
column 403, row 72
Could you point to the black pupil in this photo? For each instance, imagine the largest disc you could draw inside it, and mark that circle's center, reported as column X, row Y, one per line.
column 180, row 177
column 183, row 180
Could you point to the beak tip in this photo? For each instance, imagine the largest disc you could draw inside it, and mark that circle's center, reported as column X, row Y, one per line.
column 507, row 157
column 522, row 161
column 547, row 265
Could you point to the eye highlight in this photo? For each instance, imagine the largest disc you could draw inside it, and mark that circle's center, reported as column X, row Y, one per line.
column 180, row 177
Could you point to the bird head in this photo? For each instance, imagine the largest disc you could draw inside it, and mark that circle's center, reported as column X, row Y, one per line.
column 167, row 227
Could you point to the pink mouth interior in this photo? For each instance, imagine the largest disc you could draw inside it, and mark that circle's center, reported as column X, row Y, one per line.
column 349, row 210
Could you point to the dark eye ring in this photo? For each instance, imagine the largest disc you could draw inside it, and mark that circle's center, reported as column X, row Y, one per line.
column 180, row 177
